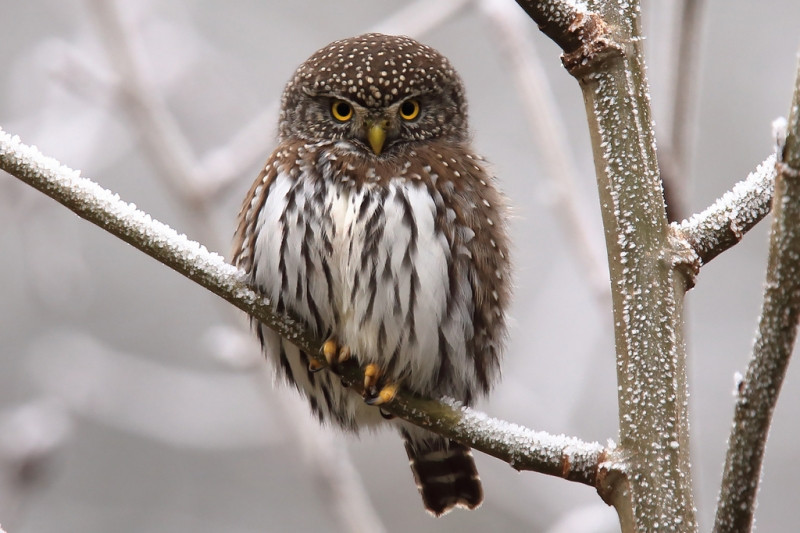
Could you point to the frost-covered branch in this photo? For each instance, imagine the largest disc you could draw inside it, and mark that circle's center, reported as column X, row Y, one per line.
column 524, row 449
column 775, row 338
column 652, row 489
column 724, row 223
column 583, row 35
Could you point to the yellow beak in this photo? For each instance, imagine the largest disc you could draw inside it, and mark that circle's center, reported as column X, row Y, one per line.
column 376, row 135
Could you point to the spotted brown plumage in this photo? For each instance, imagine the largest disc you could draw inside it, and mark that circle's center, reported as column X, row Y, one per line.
column 375, row 224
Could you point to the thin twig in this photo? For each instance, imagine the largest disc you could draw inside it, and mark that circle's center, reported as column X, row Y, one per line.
column 724, row 223
column 569, row 458
column 540, row 107
column 777, row 332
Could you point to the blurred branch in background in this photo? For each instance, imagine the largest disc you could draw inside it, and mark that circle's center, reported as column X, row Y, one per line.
column 675, row 149
column 512, row 32
column 199, row 181
column 30, row 436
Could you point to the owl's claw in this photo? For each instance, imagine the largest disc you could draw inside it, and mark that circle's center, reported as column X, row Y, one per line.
column 385, row 395
column 335, row 354
column 315, row 366
column 372, row 394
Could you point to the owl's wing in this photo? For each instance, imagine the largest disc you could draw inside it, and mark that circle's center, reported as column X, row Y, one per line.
column 245, row 236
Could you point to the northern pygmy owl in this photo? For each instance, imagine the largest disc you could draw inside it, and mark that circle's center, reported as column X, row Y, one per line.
column 375, row 224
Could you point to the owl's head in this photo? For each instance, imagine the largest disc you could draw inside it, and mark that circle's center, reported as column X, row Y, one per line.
column 377, row 92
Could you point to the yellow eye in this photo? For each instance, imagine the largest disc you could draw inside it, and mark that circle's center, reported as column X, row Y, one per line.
column 341, row 110
column 409, row 109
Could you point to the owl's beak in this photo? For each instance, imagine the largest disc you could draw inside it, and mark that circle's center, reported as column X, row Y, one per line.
column 376, row 135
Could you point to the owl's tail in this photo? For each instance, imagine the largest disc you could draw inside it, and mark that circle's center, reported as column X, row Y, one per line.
column 445, row 473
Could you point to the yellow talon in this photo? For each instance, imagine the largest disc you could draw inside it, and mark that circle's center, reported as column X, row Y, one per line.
column 386, row 395
column 334, row 354
column 329, row 350
column 344, row 354
column 371, row 375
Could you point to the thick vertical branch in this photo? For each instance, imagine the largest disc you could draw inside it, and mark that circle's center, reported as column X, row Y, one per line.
column 777, row 331
column 652, row 491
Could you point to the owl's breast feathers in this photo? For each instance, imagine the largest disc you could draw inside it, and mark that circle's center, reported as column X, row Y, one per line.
column 402, row 258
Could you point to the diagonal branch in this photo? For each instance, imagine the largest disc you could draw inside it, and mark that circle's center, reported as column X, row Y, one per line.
column 777, row 331
column 524, row 449
column 724, row 223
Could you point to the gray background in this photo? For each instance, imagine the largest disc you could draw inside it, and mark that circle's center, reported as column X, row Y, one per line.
column 153, row 415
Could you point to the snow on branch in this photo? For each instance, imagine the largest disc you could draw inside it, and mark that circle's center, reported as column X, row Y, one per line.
column 724, row 223
column 522, row 448
column 775, row 339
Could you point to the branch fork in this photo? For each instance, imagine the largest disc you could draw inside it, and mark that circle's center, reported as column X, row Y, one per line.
column 596, row 45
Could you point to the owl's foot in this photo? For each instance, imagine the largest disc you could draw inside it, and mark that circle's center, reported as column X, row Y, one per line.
column 314, row 365
column 335, row 354
column 373, row 393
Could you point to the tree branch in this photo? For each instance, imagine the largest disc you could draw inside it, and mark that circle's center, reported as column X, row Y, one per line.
column 724, row 223
column 524, row 449
column 777, row 331
column 647, row 279
column 583, row 35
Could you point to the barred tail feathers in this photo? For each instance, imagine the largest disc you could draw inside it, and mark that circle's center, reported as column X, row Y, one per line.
column 445, row 473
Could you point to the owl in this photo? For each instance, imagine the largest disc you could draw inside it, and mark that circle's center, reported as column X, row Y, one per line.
column 376, row 226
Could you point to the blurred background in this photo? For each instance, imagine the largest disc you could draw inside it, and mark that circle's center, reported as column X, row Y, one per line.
column 133, row 400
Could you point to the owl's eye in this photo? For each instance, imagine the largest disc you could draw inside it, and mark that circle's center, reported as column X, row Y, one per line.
column 341, row 110
column 409, row 109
